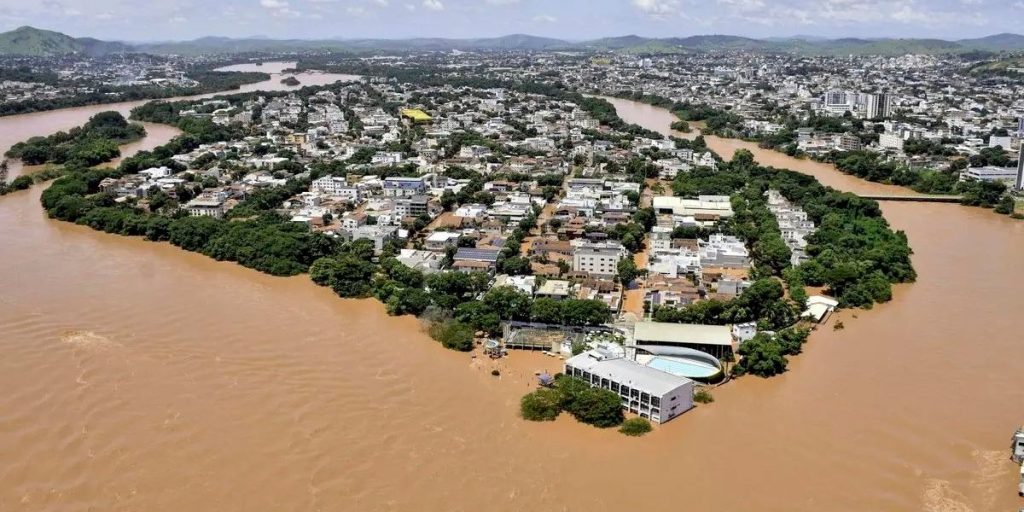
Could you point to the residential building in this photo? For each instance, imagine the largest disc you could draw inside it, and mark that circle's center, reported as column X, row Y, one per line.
column 877, row 106
column 399, row 186
column 598, row 258
column 427, row 262
column 412, row 206
column 379, row 234
column 441, row 240
column 206, row 206
column 554, row 289
column 471, row 260
column 724, row 251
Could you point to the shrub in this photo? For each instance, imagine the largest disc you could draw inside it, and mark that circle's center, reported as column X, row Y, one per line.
column 496, row 372
column 635, row 427
column 453, row 335
column 541, row 405
column 21, row 183
column 703, row 396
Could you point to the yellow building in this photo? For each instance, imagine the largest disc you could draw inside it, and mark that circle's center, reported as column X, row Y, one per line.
column 416, row 115
column 295, row 139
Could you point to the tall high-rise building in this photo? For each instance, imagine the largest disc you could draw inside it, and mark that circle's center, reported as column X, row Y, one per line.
column 878, row 106
column 1020, row 167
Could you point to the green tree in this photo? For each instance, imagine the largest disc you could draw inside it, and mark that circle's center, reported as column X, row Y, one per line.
column 540, row 405
column 481, row 316
column 762, row 356
column 598, row 407
column 508, row 302
column 627, row 271
column 453, row 335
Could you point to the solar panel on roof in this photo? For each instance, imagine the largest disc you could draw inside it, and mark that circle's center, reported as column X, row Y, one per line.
column 466, row 253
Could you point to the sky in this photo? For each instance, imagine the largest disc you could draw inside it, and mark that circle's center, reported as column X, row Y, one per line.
column 155, row 20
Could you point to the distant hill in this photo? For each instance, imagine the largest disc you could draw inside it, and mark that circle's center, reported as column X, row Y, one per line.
column 32, row 41
column 995, row 43
column 37, row 42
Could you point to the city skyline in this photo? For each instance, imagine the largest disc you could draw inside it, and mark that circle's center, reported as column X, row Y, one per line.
column 130, row 20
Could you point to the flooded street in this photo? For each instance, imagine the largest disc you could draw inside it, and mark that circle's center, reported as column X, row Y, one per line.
column 141, row 377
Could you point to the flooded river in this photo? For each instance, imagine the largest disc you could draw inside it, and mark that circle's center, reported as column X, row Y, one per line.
column 137, row 376
column 14, row 129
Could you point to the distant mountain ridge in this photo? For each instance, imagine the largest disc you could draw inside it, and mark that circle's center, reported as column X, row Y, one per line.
column 32, row 41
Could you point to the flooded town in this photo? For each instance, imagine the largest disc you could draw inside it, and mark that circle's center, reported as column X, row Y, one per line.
column 468, row 279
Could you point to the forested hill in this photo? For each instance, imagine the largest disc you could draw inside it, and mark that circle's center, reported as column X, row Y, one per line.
column 33, row 41
column 36, row 42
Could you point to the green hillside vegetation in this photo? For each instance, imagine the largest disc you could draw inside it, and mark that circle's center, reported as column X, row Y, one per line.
column 1000, row 67
column 36, row 42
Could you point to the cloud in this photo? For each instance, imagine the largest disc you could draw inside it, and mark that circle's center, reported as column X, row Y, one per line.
column 545, row 18
column 657, row 8
column 502, row 2
column 745, row 5
column 433, row 5
column 382, row 3
column 280, row 9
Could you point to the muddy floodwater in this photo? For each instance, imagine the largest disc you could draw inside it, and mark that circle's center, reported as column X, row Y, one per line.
column 137, row 376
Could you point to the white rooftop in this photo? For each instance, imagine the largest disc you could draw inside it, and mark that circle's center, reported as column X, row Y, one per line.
column 663, row 332
column 628, row 372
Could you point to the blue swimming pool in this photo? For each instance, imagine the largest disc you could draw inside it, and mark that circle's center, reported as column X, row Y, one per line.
column 683, row 367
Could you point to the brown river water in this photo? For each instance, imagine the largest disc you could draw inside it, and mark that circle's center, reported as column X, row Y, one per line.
column 137, row 376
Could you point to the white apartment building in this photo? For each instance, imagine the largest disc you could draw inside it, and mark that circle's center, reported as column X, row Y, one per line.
column 336, row 186
column 724, row 251
column 890, row 140
column 598, row 259
column 206, row 206
column 645, row 391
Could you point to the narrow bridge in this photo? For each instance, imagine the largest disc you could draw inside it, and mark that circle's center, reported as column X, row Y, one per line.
column 921, row 198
